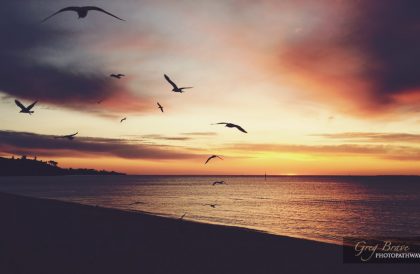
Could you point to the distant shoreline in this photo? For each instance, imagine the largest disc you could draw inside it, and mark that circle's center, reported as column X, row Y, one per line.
column 33, row 167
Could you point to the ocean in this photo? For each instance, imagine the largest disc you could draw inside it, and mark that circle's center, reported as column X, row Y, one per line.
column 321, row 208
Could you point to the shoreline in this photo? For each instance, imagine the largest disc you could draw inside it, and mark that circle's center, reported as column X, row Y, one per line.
column 50, row 236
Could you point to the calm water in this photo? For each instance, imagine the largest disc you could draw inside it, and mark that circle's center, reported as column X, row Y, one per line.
column 318, row 208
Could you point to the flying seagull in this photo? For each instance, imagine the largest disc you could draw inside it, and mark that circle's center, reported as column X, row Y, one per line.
column 70, row 136
column 218, row 183
column 212, row 205
column 175, row 87
column 82, row 12
column 160, row 107
column 137, row 203
column 213, row 156
column 123, row 119
column 230, row 125
column 24, row 109
column 118, row 76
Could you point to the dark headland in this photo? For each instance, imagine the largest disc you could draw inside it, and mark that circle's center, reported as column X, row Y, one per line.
column 33, row 167
column 47, row 236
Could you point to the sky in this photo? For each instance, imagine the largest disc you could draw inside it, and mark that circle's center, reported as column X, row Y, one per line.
column 322, row 87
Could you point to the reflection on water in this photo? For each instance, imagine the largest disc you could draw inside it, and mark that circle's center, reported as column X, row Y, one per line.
column 319, row 208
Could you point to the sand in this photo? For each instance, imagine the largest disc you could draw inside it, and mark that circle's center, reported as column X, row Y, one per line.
column 48, row 236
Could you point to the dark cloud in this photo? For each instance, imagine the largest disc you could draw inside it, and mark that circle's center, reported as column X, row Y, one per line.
column 24, row 73
column 22, row 143
column 365, row 56
column 388, row 32
column 374, row 137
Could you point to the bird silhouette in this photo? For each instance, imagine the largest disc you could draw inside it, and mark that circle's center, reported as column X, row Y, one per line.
column 213, row 156
column 175, row 87
column 160, row 107
column 82, row 12
column 230, row 125
column 70, row 136
column 123, row 119
column 218, row 183
column 211, row 205
column 137, row 203
column 24, row 109
column 118, row 76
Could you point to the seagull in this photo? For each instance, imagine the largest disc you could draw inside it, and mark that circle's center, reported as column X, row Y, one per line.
column 218, row 183
column 230, row 125
column 118, row 76
column 82, row 12
column 24, row 109
column 213, row 156
column 182, row 217
column 175, row 87
column 212, row 205
column 137, row 203
column 123, row 119
column 160, row 107
column 70, row 136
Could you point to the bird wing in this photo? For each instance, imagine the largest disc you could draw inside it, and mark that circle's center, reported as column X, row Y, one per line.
column 222, row 123
column 65, row 9
column 240, row 128
column 72, row 135
column 159, row 105
column 219, row 157
column 32, row 105
column 19, row 104
column 170, row 81
column 104, row 11
column 121, row 75
column 185, row 87
column 211, row 157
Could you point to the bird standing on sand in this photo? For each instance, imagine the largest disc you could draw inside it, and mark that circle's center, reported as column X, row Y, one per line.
column 24, row 109
column 70, row 136
column 213, row 156
column 230, row 125
column 160, row 107
column 175, row 87
column 218, row 183
column 118, row 76
column 123, row 119
column 82, row 12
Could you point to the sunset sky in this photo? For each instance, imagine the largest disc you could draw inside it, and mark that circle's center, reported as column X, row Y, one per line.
column 322, row 87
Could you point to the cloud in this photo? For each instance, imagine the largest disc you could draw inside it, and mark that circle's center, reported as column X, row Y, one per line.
column 41, row 62
column 374, row 137
column 199, row 133
column 22, row 143
column 402, row 153
column 166, row 138
column 363, row 57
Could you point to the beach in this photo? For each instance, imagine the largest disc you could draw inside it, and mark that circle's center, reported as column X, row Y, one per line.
column 49, row 236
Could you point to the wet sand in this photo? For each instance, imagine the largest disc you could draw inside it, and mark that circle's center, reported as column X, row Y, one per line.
column 48, row 236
